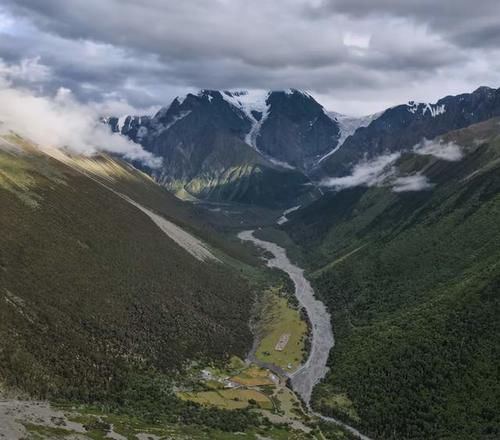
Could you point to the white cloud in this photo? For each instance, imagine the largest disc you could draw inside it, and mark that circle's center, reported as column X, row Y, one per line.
column 61, row 122
column 382, row 172
column 417, row 182
column 447, row 151
column 352, row 39
column 119, row 107
column 356, row 63
column 365, row 173
column 6, row 22
column 29, row 69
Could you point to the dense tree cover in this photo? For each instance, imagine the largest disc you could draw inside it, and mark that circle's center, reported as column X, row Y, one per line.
column 413, row 283
column 149, row 396
column 332, row 431
column 90, row 288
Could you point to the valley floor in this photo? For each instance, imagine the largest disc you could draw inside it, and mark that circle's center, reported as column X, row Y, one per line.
column 238, row 385
column 315, row 367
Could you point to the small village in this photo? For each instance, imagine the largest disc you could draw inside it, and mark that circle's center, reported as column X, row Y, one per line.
column 243, row 385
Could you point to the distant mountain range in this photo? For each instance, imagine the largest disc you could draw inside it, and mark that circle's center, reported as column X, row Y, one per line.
column 271, row 148
column 402, row 127
column 237, row 146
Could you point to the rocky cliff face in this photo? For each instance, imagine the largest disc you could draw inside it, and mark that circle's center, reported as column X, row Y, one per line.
column 297, row 129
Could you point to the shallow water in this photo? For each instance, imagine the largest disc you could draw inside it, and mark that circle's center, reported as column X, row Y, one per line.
column 314, row 369
column 304, row 379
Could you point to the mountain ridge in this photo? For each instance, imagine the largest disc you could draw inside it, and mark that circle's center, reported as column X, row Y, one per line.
column 401, row 127
column 217, row 145
column 209, row 145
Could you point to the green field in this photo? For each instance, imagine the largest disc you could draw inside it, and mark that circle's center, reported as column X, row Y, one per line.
column 228, row 399
column 279, row 319
column 253, row 376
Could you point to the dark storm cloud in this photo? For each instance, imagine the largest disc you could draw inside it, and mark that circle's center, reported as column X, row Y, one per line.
column 358, row 55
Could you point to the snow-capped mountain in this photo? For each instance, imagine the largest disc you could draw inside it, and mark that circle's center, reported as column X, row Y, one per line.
column 288, row 128
column 401, row 127
column 265, row 146
column 238, row 146
column 297, row 129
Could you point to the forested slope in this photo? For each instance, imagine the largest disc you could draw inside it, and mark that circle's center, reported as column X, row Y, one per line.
column 92, row 290
column 413, row 282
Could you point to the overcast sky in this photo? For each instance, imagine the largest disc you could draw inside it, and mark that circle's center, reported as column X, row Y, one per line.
column 354, row 56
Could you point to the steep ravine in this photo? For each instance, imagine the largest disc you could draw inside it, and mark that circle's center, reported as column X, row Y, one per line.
column 314, row 369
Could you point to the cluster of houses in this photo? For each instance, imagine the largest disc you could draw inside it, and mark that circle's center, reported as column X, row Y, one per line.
column 206, row 374
column 227, row 382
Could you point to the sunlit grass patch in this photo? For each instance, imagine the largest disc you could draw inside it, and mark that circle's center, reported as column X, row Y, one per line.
column 253, row 376
column 279, row 319
column 214, row 398
column 248, row 395
column 228, row 399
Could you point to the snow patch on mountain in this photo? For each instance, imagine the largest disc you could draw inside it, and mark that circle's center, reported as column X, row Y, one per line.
column 250, row 104
column 300, row 92
column 121, row 122
column 433, row 109
column 181, row 99
column 347, row 126
column 253, row 105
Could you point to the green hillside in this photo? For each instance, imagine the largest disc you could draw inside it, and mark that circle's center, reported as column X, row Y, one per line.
column 228, row 170
column 413, row 282
column 91, row 290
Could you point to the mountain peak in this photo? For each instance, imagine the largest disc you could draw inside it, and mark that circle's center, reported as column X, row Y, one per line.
column 252, row 103
column 484, row 89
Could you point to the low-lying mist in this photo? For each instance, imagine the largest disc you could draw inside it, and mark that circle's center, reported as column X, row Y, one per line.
column 382, row 170
column 61, row 121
